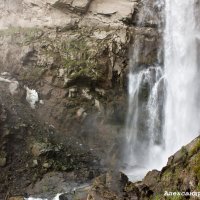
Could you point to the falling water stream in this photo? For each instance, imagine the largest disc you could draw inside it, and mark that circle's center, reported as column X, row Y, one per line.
column 182, row 109
column 164, row 100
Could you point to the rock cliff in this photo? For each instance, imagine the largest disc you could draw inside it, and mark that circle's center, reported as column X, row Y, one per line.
column 75, row 54
column 72, row 56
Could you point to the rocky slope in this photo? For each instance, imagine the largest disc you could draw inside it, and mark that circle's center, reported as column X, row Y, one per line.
column 30, row 148
column 180, row 176
column 75, row 55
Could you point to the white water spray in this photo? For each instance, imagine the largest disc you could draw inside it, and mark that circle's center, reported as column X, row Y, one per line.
column 144, row 122
column 164, row 102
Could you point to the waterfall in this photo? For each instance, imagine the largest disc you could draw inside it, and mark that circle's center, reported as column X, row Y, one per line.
column 164, row 100
column 144, row 140
column 182, row 108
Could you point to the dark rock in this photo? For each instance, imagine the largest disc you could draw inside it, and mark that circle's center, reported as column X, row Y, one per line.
column 108, row 186
column 151, row 178
column 26, row 195
column 63, row 197
column 3, row 114
column 116, row 181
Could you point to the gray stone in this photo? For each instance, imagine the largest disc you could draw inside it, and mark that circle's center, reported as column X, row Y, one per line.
column 86, row 94
column 46, row 165
column 77, row 6
column 2, row 162
column 35, row 163
column 73, row 92
column 80, row 112
column 38, row 149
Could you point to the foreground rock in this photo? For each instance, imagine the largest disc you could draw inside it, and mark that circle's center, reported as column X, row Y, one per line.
column 182, row 174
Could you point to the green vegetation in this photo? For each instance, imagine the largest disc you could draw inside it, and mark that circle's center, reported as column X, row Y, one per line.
column 29, row 33
column 183, row 150
column 175, row 198
column 198, row 187
column 130, row 187
column 156, row 197
column 167, row 175
column 32, row 75
column 162, row 197
column 196, row 167
column 184, row 155
column 196, row 148
column 80, row 60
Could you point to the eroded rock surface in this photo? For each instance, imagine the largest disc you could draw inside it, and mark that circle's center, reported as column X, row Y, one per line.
column 52, row 13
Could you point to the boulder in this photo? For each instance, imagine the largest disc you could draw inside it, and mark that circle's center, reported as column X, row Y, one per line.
column 38, row 149
column 151, row 178
column 77, row 6
column 122, row 9
column 108, row 186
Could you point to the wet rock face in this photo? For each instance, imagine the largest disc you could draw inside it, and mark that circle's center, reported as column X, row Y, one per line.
column 84, row 68
column 151, row 12
column 79, row 76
